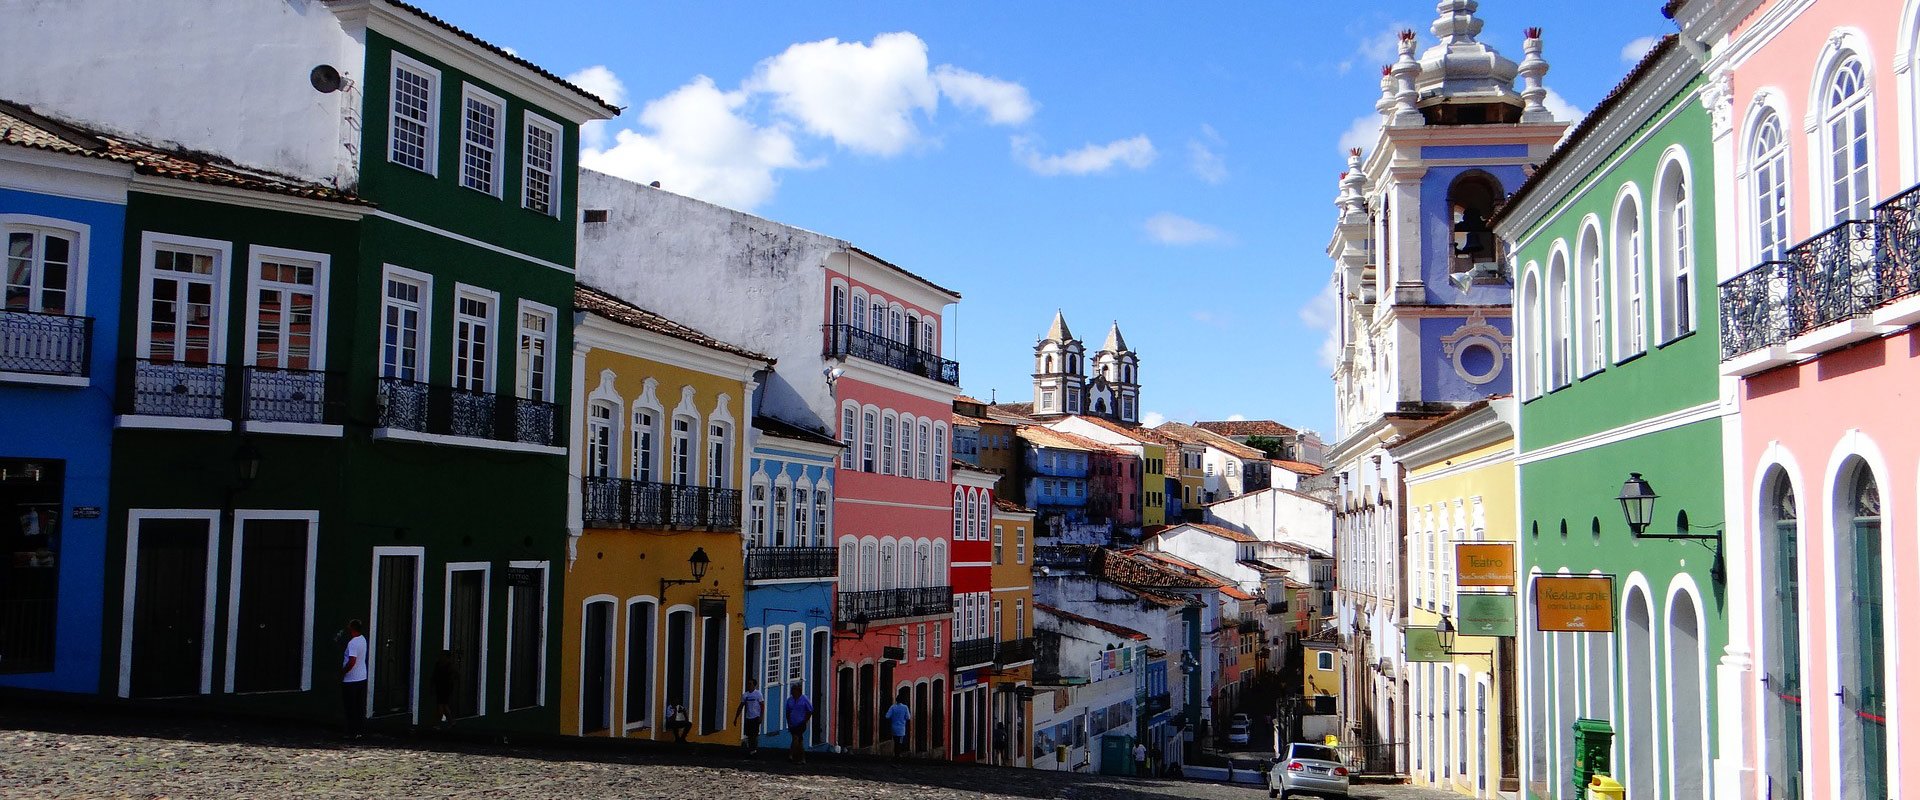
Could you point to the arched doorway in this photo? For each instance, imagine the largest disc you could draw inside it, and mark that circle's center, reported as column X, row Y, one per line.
column 1637, row 650
column 1863, row 687
column 1687, row 682
column 843, row 712
column 1781, row 526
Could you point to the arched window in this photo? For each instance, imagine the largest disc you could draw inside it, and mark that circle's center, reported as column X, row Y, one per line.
column 1687, row 682
column 1636, row 649
column 1863, row 685
column 1559, row 322
column 959, row 513
column 719, row 466
column 848, row 436
column 878, row 323
column 1530, row 340
column 849, row 563
column 906, row 446
column 888, row 569
column 973, row 515
column 1591, row 312
column 1848, row 140
column 822, row 503
column 1674, row 270
column 1629, row 281
column 1769, row 183
column 1782, row 650
column 859, row 310
column 869, row 565
column 887, row 424
column 757, row 513
column 869, row 433
column 926, row 436
column 839, row 310
column 905, row 565
column 646, row 444
column 683, row 448
column 602, row 447
column 938, row 572
column 898, row 317
column 802, row 506
column 928, row 342
column 939, row 451
column 1471, row 199
column 923, row 564
column 782, row 500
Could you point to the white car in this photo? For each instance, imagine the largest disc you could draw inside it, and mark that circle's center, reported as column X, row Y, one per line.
column 1239, row 733
column 1308, row 769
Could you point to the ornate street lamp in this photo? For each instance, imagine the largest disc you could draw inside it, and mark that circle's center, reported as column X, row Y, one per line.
column 698, row 561
column 1636, row 502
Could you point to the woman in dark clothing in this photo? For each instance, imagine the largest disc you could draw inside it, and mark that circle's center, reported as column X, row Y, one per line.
column 446, row 684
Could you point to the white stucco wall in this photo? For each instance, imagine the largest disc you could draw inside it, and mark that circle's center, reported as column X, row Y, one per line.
column 228, row 78
column 745, row 280
column 1209, row 551
column 1277, row 516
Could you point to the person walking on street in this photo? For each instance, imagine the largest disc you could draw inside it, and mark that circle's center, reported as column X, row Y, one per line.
column 752, row 705
column 353, row 680
column 446, row 684
column 898, row 716
column 799, row 713
column 1140, row 759
column 1000, row 743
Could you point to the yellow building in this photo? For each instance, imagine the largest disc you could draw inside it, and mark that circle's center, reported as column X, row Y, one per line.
column 1461, row 696
column 655, row 573
column 1321, row 668
column 1012, row 678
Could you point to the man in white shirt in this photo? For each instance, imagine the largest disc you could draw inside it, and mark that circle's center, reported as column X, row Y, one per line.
column 353, row 679
column 753, row 706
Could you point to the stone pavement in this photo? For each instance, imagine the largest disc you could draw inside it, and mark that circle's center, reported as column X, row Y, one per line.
column 90, row 753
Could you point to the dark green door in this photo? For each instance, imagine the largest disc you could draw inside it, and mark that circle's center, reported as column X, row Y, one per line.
column 396, row 640
column 169, row 608
column 1116, row 755
column 466, row 597
column 271, row 628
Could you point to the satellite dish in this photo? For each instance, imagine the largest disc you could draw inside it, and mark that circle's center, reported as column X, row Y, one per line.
column 326, row 79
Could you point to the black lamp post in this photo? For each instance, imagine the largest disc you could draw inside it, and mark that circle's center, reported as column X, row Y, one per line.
column 1636, row 503
column 246, row 464
column 1447, row 633
column 698, row 561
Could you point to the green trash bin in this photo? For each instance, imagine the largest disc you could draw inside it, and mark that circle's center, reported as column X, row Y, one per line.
column 1592, row 753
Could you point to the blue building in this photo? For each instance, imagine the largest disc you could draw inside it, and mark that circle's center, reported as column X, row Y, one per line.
column 63, row 203
column 1057, row 468
column 791, row 570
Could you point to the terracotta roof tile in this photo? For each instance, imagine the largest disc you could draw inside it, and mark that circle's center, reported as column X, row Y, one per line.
column 1048, row 437
column 1246, row 427
column 1298, row 467
column 1010, row 507
column 501, row 52
column 1134, row 432
column 22, row 127
column 1132, row 570
column 1097, row 623
column 1261, row 567
column 602, row 304
column 1193, row 435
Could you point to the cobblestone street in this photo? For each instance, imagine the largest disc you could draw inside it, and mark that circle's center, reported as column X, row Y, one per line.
column 47, row 756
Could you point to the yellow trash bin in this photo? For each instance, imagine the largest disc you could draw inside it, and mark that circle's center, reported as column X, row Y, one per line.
column 1605, row 788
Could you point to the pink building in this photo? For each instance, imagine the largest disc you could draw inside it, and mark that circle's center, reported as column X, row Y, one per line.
column 1813, row 106
column 893, row 509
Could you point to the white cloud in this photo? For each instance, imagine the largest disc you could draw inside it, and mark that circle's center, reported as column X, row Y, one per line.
column 1207, row 164
column 1563, row 110
column 1236, row 418
column 1152, row 419
column 1209, row 318
column 1169, row 228
column 1322, row 314
column 865, row 97
column 1363, row 133
column 1136, row 153
column 1638, row 49
column 1376, row 49
column 1004, row 102
column 697, row 142
column 607, row 86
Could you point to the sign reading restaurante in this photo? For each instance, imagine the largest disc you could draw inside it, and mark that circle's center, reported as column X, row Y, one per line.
column 1573, row 604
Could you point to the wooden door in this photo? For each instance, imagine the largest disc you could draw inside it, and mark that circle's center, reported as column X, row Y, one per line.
column 396, row 639
column 169, row 608
column 271, row 626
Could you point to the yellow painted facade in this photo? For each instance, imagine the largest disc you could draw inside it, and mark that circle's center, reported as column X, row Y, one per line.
column 1455, row 494
column 1153, row 483
column 1012, row 581
column 632, row 646
column 1322, row 669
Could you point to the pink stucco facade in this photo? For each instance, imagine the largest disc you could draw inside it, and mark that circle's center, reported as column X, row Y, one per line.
column 1841, row 408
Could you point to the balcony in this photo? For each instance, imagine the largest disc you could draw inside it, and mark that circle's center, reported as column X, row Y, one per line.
column 791, row 563
column 1849, row 282
column 847, row 340
column 969, row 653
column 51, row 345
column 622, row 503
column 880, row 605
column 428, row 410
column 1013, row 651
column 1157, row 703
column 298, row 396
column 175, row 389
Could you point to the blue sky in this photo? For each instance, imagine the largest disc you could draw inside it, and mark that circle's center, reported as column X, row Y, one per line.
column 1171, row 170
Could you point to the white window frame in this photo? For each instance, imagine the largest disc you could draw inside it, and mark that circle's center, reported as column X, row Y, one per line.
column 222, row 252
column 523, row 387
column 470, row 95
column 540, row 680
column 1828, row 115
column 402, row 61
column 1629, row 276
column 423, row 338
column 132, row 573
column 849, row 435
column 654, row 643
column 598, row 456
column 491, row 361
column 78, row 234
column 759, row 497
column 649, row 456
column 485, row 568
column 553, row 176
column 822, row 513
column 939, row 451
column 1775, row 163
column 718, row 444
column 372, row 632
column 322, row 272
column 240, row 519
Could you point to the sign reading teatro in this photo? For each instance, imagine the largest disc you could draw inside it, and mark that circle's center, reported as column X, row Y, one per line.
column 1573, row 603
column 1486, row 564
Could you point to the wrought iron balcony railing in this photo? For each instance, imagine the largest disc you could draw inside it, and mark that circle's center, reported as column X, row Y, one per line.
column 1898, row 221
column 1157, row 703
column 618, row 502
column 45, row 344
column 173, row 389
column 968, row 653
column 884, row 604
column 425, row 408
column 269, row 394
column 1013, row 651
column 787, row 563
column 1836, row 275
column 847, row 340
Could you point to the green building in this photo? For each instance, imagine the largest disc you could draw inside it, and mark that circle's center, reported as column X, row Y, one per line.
column 1612, row 247
column 351, row 403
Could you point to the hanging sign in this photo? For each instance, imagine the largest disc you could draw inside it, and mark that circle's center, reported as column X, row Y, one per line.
column 1573, row 604
column 1484, row 564
column 1423, row 646
column 1485, row 614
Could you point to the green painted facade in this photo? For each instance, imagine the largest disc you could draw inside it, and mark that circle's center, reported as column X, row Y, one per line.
column 1599, row 429
column 479, row 503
